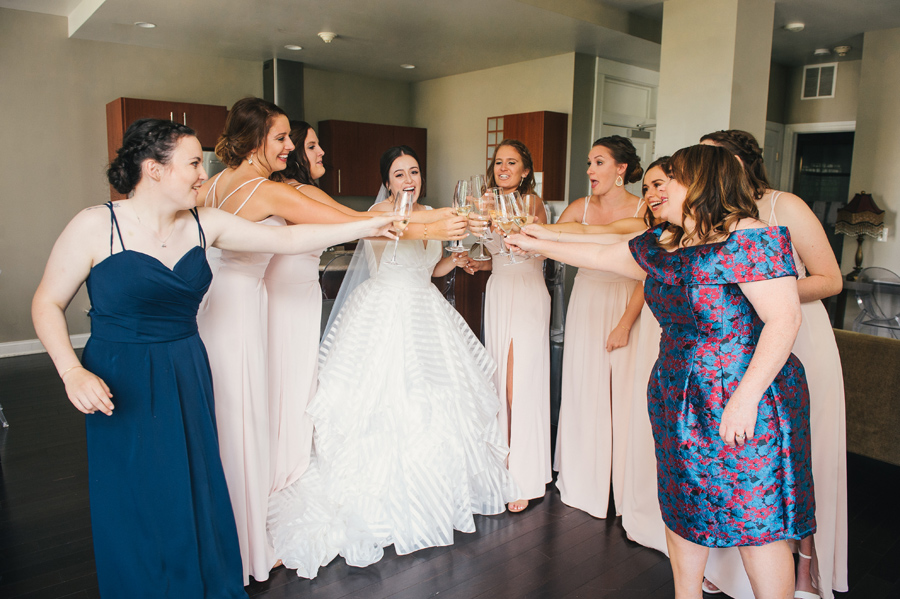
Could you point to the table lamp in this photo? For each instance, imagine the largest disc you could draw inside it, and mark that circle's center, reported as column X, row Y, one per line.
column 858, row 218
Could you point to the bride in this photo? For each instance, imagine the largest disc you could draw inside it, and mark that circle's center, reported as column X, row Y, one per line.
column 407, row 444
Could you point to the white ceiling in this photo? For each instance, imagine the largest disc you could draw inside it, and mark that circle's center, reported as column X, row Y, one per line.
column 440, row 37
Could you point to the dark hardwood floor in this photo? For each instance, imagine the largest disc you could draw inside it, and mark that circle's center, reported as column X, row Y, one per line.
column 550, row 551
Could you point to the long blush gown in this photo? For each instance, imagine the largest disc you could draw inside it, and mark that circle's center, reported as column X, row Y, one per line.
column 160, row 516
column 407, row 445
column 517, row 316
column 817, row 350
column 641, row 516
column 295, row 313
column 233, row 325
column 595, row 404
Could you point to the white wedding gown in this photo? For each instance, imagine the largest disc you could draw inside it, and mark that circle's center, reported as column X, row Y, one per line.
column 407, row 446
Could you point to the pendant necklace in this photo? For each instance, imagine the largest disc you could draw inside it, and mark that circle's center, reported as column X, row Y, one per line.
column 155, row 234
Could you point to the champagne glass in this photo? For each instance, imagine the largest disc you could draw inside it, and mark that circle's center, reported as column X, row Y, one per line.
column 480, row 212
column 529, row 204
column 511, row 219
column 496, row 193
column 403, row 208
column 462, row 206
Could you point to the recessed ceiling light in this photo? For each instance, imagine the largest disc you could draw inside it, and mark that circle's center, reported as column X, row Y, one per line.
column 293, row 47
column 822, row 52
column 407, row 66
column 145, row 25
column 795, row 27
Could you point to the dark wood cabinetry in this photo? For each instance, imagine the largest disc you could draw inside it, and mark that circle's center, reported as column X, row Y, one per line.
column 207, row 120
column 545, row 133
column 352, row 152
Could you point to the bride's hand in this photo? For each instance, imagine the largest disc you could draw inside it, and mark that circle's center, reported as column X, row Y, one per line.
column 540, row 232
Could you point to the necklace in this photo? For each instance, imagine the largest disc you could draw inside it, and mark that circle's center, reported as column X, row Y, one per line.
column 155, row 234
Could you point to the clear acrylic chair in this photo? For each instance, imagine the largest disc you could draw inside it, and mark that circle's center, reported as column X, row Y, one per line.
column 878, row 297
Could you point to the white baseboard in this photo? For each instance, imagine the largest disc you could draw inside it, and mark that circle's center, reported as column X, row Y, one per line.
column 33, row 346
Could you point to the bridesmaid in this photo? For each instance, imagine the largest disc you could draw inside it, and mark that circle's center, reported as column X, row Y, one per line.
column 597, row 379
column 161, row 518
column 641, row 516
column 822, row 567
column 233, row 324
column 517, row 336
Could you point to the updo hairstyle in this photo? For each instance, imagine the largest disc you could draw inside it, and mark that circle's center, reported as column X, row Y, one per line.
column 388, row 158
column 297, row 163
column 153, row 139
column 718, row 194
column 526, row 185
column 246, row 127
column 623, row 152
column 743, row 145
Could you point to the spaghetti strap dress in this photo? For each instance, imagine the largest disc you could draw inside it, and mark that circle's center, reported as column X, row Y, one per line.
column 295, row 315
column 596, row 392
column 817, row 350
column 161, row 519
column 709, row 493
column 517, row 319
column 233, row 325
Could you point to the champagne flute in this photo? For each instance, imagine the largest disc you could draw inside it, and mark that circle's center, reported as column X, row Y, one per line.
column 403, row 208
column 529, row 204
column 496, row 193
column 462, row 206
column 480, row 212
column 511, row 219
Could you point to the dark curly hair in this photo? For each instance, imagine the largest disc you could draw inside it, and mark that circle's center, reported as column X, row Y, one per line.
column 743, row 145
column 246, row 127
column 153, row 139
column 526, row 185
column 297, row 163
column 623, row 152
column 718, row 194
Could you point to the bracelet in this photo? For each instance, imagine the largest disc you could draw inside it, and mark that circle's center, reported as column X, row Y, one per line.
column 558, row 234
column 66, row 371
column 426, row 230
column 627, row 329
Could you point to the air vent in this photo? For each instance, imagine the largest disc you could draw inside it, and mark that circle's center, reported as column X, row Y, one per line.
column 818, row 81
column 639, row 134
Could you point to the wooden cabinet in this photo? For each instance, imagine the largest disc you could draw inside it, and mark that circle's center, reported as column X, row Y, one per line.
column 353, row 150
column 545, row 133
column 207, row 120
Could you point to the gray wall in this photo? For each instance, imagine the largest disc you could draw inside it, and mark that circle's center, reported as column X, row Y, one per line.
column 54, row 95
column 842, row 107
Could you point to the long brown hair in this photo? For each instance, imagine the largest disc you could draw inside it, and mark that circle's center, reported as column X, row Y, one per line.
column 743, row 145
column 526, row 185
column 297, row 163
column 718, row 194
column 246, row 127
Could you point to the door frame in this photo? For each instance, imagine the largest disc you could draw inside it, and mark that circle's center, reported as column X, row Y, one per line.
column 790, row 145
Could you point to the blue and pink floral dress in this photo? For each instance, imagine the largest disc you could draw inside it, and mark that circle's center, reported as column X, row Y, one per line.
column 710, row 493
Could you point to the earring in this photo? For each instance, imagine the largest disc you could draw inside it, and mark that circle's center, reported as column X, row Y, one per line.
column 619, row 181
column 250, row 159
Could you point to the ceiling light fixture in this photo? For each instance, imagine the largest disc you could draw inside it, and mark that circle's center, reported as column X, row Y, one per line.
column 795, row 27
column 145, row 25
column 407, row 66
column 327, row 36
column 822, row 52
column 293, row 47
column 842, row 50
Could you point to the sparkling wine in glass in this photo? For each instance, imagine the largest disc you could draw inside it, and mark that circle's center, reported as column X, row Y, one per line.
column 402, row 208
column 511, row 219
column 463, row 207
column 481, row 207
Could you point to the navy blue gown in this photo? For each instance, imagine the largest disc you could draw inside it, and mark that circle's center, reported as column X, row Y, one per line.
column 710, row 493
column 161, row 517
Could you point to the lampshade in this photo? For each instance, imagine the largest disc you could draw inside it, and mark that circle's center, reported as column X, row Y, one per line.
column 860, row 217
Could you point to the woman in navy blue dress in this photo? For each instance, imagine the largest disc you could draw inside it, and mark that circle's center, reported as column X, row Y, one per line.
column 161, row 518
column 728, row 402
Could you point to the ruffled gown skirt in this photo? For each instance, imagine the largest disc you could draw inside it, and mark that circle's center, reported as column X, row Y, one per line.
column 595, row 406
column 517, row 317
column 407, row 445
